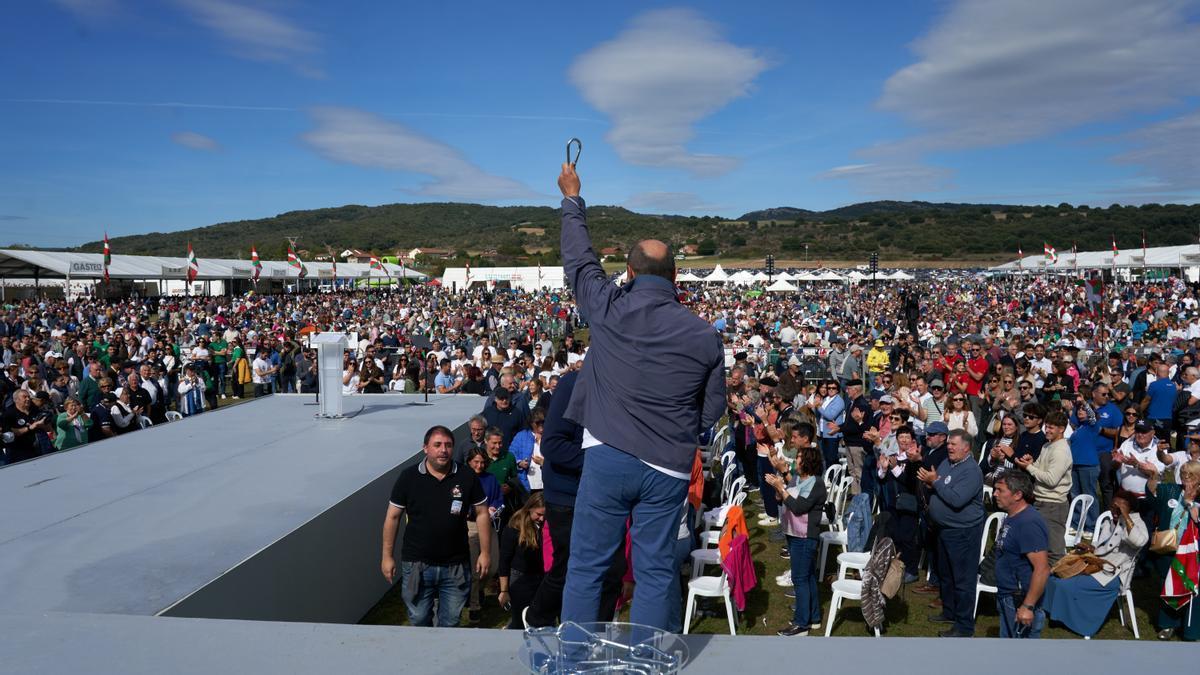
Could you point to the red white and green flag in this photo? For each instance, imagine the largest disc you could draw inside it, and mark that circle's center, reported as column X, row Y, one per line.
column 294, row 261
column 1051, row 254
column 1180, row 585
column 193, row 264
column 1115, row 248
column 107, row 257
column 255, row 263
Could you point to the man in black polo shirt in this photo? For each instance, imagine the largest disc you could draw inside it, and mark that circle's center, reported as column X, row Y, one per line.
column 438, row 496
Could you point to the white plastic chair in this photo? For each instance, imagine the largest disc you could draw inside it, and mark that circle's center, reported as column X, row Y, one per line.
column 144, row 421
column 852, row 560
column 844, row 589
column 997, row 519
column 174, row 415
column 833, row 475
column 1074, row 534
column 1104, row 524
column 709, row 587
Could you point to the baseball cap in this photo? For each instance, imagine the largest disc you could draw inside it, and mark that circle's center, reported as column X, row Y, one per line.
column 854, row 383
column 936, row 428
column 1142, row 426
column 886, row 399
column 937, row 384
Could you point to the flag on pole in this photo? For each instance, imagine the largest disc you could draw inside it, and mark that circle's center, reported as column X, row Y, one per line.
column 107, row 257
column 193, row 264
column 1051, row 254
column 334, row 271
column 1114, row 248
column 1074, row 255
column 294, row 261
column 1143, row 247
column 468, row 274
column 1183, row 577
column 255, row 263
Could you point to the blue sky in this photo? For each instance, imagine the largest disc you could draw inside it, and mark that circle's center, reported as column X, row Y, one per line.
column 132, row 116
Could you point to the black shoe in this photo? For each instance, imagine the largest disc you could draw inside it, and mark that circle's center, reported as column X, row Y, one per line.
column 940, row 618
column 792, row 630
column 785, row 553
column 954, row 633
column 474, row 616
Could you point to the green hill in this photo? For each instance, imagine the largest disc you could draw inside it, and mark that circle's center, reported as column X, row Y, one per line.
column 530, row 233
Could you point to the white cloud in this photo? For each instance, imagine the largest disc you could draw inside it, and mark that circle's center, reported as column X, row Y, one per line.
column 257, row 34
column 669, row 202
column 1168, row 154
column 363, row 139
column 195, row 141
column 898, row 181
column 666, row 71
column 995, row 72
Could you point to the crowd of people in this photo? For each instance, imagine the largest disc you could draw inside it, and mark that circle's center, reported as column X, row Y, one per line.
column 947, row 399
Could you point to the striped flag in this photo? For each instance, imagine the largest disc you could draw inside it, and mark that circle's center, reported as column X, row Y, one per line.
column 1180, row 585
column 1115, row 248
column 107, row 257
column 294, row 261
column 255, row 263
column 1051, row 254
column 193, row 264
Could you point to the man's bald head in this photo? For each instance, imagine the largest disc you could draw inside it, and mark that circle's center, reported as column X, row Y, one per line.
column 652, row 257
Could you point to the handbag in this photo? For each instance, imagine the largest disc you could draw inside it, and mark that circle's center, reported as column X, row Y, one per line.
column 1164, row 542
column 894, row 578
column 1073, row 564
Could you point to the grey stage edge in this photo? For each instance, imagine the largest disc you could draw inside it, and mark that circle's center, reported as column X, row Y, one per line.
column 259, row 511
column 136, row 645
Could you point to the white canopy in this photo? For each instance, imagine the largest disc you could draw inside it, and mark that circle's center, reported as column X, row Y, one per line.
column 781, row 286
column 742, row 277
column 829, row 275
column 806, row 276
column 855, row 275
column 717, row 276
column 761, row 276
column 901, row 275
column 686, row 276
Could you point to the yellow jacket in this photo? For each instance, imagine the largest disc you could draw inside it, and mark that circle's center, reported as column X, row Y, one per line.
column 877, row 360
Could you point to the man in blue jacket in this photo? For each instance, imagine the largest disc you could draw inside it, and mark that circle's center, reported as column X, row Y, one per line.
column 652, row 381
column 956, row 506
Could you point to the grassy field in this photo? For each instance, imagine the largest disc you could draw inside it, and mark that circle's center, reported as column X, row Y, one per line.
column 768, row 608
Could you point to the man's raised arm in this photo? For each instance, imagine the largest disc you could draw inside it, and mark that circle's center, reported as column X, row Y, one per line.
column 593, row 291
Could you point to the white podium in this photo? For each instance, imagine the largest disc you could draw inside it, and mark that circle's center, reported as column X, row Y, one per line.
column 330, row 349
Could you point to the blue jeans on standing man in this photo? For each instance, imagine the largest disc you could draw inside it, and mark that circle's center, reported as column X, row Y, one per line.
column 803, row 556
column 616, row 486
column 1083, row 481
column 448, row 584
column 1006, row 606
column 958, row 572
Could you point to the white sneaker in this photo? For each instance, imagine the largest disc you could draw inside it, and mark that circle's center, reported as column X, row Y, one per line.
column 784, row 580
column 224, row 396
column 768, row 522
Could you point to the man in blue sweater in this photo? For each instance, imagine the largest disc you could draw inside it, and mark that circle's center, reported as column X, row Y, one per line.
column 956, row 506
column 653, row 381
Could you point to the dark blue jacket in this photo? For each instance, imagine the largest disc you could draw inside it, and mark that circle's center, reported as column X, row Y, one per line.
column 654, row 376
column 562, row 447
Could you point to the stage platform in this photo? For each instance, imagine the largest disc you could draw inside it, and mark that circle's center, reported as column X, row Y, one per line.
column 258, row 511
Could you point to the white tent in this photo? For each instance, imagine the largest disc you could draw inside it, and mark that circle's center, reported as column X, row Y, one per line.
column 829, row 275
column 742, row 277
column 717, row 276
column 856, row 276
column 786, row 276
column 781, row 286
column 901, row 275
column 806, row 276
column 686, row 276
column 761, row 276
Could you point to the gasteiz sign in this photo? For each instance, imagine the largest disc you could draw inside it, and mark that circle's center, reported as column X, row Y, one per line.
column 86, row 267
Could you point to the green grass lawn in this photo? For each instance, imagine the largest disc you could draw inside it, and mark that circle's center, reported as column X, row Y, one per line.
column 768, row 609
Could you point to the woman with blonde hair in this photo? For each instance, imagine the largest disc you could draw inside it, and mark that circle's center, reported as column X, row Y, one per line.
column 521, row 564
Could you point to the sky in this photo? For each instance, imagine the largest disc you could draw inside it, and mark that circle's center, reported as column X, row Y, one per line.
column 130, row 116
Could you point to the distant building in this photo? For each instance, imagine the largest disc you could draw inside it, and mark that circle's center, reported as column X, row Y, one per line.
column 430, row 253
column 355, row 255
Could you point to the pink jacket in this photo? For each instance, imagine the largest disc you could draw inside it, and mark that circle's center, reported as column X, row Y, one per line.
column 739, row 569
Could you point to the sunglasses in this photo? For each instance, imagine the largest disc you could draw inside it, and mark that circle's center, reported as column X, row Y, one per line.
column 960, row 399
column 895, row 418
column 1131, row 414
column 1026, row 386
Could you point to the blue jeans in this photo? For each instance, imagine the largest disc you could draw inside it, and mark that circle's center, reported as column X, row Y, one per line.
column 221, row 368
column 1083, row 481
column 616, row 486
column 803, row 552
column 770, row 501
column 683, row 550
column 449, row 584
column 1006, row 606
column 829, row 450
column 958, row 573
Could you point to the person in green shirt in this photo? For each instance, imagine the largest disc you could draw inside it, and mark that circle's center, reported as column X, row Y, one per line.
column 71, row 427
column 220, row 353
column 503, row 465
